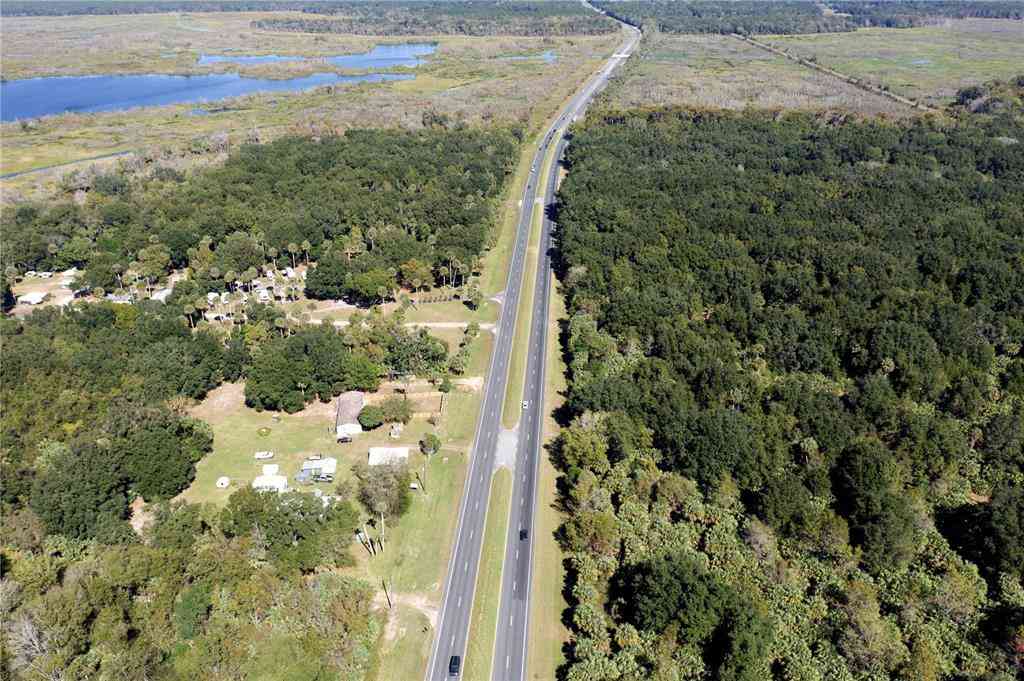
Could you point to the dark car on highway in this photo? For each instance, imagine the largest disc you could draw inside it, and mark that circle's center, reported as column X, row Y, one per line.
column 454, row 665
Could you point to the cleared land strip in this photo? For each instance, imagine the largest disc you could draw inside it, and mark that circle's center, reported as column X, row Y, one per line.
column 857, row 82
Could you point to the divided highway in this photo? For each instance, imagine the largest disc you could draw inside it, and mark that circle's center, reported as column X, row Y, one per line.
column 453, row 627
column 510, row 650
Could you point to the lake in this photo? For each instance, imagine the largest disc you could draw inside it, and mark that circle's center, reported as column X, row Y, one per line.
column 35, row 97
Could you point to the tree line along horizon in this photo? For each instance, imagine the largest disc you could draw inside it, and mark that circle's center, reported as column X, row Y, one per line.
column 794, row 442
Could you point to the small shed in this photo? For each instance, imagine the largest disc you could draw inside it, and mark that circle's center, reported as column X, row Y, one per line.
column 270, row 483
column 33, row 298
column 346, row 415
column 380, row 456
column 325, row 466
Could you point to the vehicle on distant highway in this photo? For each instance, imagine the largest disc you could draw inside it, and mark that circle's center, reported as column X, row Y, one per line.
column 454, row 665
column 526, row 404
column 523, row 534
column 263, row 456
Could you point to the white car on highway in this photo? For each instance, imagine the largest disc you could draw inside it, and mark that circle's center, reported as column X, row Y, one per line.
column 263, row 456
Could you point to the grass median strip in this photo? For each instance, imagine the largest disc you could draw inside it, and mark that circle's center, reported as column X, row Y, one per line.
column 524, row 319
column 483, row 622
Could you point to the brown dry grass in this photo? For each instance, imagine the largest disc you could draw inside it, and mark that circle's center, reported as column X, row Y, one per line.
column 719, row 72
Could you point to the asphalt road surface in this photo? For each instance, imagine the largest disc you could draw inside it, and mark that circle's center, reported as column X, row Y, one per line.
column 457, row 605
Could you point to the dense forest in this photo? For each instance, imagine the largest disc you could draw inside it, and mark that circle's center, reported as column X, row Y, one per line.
column 379, row 210
column 30, row 8
column 908, row 13
column 727, row 16
column 750, row 17
column 795, row 441
column 434, row 17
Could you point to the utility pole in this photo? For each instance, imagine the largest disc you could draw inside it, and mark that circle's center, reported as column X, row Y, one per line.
column 386, row 594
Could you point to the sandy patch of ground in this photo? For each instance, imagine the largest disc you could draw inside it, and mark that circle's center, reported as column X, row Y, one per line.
column 413, row 601
column 219, row 401
column 140, row 517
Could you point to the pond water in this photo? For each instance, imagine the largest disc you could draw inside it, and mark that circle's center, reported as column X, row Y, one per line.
column 380, row 57
column 34, row 97
column 549, row 57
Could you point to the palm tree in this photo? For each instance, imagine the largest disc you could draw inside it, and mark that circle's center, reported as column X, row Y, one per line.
column 272, row 254
column 305, row 249
column 229, row 278
column 293, row 248
column 189, row 311
column 281, row 324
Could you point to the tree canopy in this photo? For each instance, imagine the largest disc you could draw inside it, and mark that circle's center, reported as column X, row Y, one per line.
column 794, row 346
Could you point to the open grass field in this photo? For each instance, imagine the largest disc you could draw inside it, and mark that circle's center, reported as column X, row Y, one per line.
column 483, row 622
column 476, row 80
column 720, row 72
column 929, row 63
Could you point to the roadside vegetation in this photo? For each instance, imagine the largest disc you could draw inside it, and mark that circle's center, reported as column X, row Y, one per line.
column 795, row 397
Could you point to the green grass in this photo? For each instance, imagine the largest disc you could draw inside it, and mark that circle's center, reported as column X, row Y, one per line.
column 496, row 260
column 236, row 439
column 416, row 549
column 483, row 623
column 410, row 648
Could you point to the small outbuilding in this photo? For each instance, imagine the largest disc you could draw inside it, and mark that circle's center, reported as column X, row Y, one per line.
column 328, row 465
column 270, row 482
column 380, row 456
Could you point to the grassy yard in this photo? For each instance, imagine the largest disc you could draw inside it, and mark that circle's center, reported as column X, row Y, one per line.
column 236, row 437
column 713, row 71
column 483, row 621
column 929, row 63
